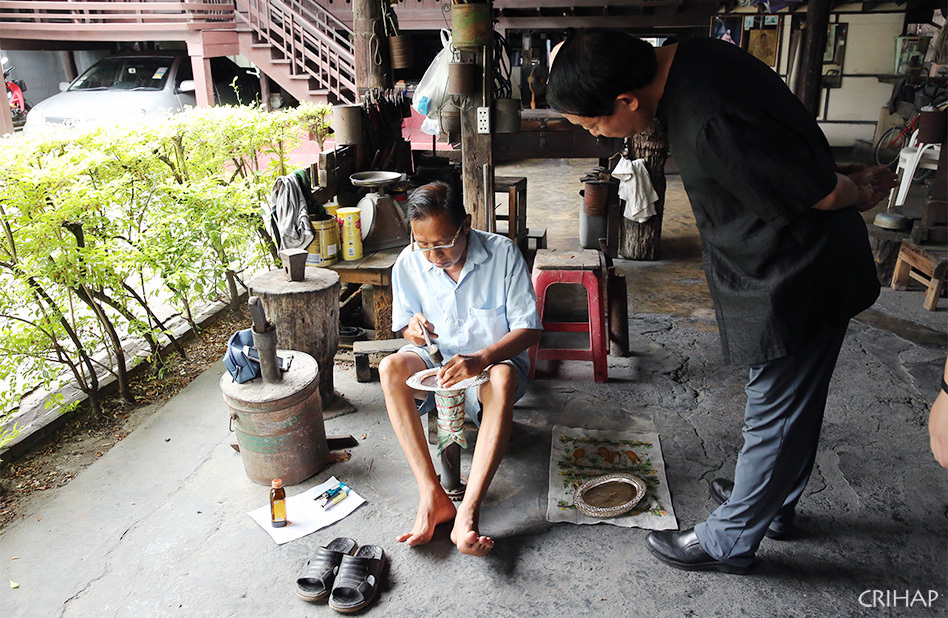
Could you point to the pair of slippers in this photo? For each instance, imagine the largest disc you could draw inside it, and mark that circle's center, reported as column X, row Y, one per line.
column 348, row 576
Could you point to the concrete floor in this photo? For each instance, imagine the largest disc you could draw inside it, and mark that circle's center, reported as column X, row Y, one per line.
column 158, row 526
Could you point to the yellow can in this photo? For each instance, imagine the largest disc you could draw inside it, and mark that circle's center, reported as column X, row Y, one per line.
column 351, row 233
column 324, row 250
column 331, row 209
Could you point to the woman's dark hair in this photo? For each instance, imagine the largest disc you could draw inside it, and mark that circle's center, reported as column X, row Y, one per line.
column 596, row 65
column 434, row 199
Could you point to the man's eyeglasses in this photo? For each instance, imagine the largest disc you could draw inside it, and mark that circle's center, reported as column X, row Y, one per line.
column 417, row 247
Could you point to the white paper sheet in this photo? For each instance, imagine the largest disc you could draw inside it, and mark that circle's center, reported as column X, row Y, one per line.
column 305, row 516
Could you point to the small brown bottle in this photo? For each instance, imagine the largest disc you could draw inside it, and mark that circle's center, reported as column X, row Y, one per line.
column 277, row 504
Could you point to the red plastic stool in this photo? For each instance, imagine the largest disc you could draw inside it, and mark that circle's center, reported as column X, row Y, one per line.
column 583, row 268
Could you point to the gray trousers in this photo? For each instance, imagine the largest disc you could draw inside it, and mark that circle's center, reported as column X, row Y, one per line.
column 785, row 402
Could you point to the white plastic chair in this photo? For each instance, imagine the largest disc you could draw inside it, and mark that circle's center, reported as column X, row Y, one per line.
column 911, row 158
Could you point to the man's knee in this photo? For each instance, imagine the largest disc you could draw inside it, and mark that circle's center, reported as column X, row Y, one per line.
column 396, row 368
column 504, row 380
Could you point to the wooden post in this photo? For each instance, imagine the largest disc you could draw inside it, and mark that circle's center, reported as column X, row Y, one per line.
column 306, row 316
column 372, row 59
column 477, row 156
column 265, row 91
column 809, row 79
column 6, row 117
column 203, row 86
column 69, row 65
column 642, row 241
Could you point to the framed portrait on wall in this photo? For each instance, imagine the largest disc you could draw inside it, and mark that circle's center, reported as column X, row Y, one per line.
column 833, row 55
column 762, row 44
column 728, row 29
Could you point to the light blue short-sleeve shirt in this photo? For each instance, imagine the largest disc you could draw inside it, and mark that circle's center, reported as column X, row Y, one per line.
column 493, row 296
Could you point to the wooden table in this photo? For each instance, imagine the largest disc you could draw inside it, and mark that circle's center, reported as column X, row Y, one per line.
column 374, row 269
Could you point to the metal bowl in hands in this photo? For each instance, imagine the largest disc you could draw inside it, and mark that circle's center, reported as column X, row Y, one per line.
column 375, row 179
column 427, row 380
column 609, row 495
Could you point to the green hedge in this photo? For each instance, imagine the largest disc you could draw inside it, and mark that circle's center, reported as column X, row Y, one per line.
column 98, row 226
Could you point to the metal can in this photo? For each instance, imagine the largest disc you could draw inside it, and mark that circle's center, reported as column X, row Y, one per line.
column 351, row 233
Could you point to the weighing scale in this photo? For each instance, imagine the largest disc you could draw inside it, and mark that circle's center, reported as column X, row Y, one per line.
column 383, row 222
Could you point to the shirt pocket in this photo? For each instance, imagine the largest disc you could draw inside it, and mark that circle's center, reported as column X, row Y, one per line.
column 487, row 326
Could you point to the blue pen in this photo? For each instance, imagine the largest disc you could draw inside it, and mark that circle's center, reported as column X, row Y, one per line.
column 339, row 498
column 330, row 493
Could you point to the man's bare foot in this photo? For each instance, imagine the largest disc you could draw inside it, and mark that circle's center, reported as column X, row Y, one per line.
column 468, row 541
column 436, row 510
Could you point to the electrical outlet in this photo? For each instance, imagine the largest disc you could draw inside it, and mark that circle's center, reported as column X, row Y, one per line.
column 483, row 120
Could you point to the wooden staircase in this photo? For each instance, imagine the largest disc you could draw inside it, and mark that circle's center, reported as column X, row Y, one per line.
column 301, row 46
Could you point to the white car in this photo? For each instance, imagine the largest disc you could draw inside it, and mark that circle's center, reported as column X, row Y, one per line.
column 130, row 86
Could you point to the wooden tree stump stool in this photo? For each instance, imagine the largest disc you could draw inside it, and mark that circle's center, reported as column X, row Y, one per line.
column 927, row 266
column 306, row 315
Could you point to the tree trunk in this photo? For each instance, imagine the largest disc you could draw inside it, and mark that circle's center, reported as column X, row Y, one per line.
column 372, row 63
column 306, row 316
column 642, row 241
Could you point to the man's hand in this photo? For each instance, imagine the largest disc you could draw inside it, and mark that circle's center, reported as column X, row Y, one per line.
column 873, row 184
column 460, row 367
column 412, row 332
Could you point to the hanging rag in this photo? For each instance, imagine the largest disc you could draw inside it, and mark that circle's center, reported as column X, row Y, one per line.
column 288, row 217
column 635, row 187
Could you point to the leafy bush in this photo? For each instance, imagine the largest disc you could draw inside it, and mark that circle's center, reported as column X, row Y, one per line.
column 98, row 227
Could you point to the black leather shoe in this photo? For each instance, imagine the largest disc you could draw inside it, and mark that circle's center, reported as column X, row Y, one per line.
column 682, row 551
column 721, row 492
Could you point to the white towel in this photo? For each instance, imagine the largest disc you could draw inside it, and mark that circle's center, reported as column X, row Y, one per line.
column 635, row 187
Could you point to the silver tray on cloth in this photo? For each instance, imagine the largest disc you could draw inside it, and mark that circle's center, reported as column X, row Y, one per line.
column 427, row 380
column 609, row 495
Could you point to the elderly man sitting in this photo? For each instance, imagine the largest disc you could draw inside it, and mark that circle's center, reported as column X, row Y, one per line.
column 472, row 292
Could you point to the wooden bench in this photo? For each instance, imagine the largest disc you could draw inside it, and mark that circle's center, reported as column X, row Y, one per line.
column 374, row 269
column 362, row 349
column 538, row 236
column 926, row 265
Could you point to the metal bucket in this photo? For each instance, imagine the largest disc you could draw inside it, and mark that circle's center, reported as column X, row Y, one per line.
column 347, row 124
column 470, row 24
column 324, row 250
column 400, row 47
column 596, row 198
column 461, row 78
column 279, row 426
column 932, row 126
column 591, row 229
column 451, row 123
column 507, row 116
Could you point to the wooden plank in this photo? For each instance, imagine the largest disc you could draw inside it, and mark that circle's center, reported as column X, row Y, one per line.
column 552, row 259
column 375, row 268
column 379, row 345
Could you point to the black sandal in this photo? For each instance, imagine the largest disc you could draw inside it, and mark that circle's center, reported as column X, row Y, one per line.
column 315, row 580
column 357, row 583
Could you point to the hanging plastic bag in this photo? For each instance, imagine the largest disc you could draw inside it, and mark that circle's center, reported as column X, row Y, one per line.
column 430, row 94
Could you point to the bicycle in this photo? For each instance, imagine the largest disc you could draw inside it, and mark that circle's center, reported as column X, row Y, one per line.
column 891, row 143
